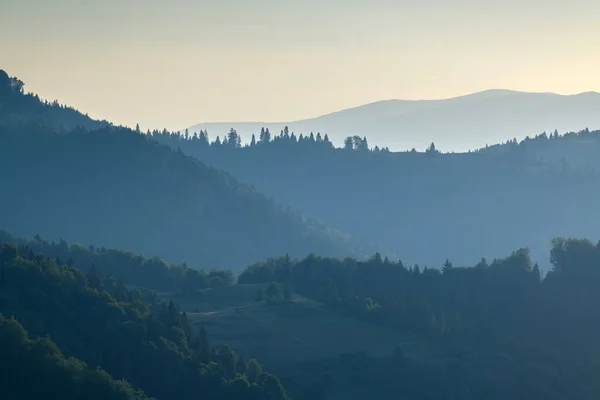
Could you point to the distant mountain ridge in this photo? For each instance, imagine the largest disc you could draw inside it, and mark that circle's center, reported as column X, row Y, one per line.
column 456, row 124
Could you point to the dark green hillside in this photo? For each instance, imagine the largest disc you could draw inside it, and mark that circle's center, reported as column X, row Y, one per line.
column 131, row 269
column 129, row 334
column 496, row 330
column 118, row 188
column 34, row 369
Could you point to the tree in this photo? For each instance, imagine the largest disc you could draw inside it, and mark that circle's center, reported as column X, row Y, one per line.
column 431, row 149
column 120, row 291
column 360, row 144
column 272, row 386
column 272, row 291
column 253, row 141
column 447, row 265
column 204, row 137
column 536, row 272
column 253, row 370
column 348, row 143
column 240, row 367
column 265, row 135
column 202, row 347
column 228, row 360
column 377, row 259
column 7, row 254
column 93, row 279
column 233, row 139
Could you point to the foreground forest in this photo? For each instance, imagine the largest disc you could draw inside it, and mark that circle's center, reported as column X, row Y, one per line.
column 496, row 330
column 420, row 207
column 67, row 335
column 504, row 332
column 118, row 188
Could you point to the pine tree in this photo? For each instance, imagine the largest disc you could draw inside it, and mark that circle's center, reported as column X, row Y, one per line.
column 253, row 370
column 240, row 368
column 93, row 279
column 537, row 273
column 447, row 266
column 203, row 352
column 261, row 138
column 120, row 292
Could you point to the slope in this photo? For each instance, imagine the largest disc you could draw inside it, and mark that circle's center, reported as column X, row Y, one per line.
column 422, row 207
column 117, row 188
column 456, row 124
column 580, row 150
column 127, row 333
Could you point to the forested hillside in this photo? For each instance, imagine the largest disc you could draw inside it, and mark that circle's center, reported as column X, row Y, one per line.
column 420, row 207
column 34, row 369
column 117, row 188
column 572, row 150
column 124, row 267
column 128, row 334
column 17, row 106
column 505, row 331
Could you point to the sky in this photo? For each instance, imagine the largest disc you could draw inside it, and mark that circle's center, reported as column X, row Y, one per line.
column 171, row 64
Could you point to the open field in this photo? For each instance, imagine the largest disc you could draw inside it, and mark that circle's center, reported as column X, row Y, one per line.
column 290, row 333
column 218, row 299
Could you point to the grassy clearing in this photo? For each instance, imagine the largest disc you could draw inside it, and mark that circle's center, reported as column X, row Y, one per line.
column 290, row 333
column 209, row 300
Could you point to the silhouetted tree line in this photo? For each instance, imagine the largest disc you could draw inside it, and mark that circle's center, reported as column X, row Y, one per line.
column 132, row 337
column 199, row 141
column 133, row 270
column 569, row 151
column 16, row 105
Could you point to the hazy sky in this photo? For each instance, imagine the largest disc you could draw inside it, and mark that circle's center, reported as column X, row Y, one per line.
column 178, row 62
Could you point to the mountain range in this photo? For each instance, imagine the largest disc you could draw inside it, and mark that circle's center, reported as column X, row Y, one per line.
column 456, row 124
